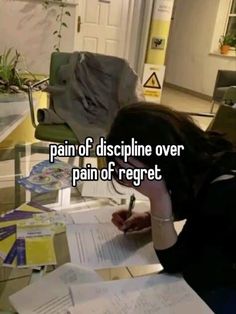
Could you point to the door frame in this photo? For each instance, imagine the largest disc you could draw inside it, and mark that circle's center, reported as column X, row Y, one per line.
column 139, row 21
column 138, row 26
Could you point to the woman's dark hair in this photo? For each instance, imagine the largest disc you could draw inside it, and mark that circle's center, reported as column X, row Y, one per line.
column 153, row 124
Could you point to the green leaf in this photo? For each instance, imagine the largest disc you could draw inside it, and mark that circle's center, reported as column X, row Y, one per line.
column 6, row 55
column 64, row 24
column 67, row 13
column 12, row 60
column 59, row 36
column 8, row 52
column 55, row 32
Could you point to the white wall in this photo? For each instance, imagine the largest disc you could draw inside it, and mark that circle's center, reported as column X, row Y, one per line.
column 26, row 26
column 189, row 64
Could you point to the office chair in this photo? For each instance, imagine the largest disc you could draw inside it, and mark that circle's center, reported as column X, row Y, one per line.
column 56, row 133
column 88, row 90
column 224, row 80
column 52, row 132
column 230, row 96
column 225, row 122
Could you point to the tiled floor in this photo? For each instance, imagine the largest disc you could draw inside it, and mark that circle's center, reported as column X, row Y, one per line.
column 188, row 103
column 171, row 97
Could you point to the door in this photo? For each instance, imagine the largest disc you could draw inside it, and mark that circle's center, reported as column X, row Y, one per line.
column 103, row 26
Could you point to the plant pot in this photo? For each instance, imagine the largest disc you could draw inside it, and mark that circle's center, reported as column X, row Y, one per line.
column 224, row 49
column 13, row 104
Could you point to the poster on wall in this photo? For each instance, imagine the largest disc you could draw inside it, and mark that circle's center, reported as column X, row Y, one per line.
column 163, row 10
column 153, row 78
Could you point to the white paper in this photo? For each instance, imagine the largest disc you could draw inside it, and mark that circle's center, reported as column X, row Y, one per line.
column 51, row 295
column 99, row 215
column 107, row 189
column 150, row 294
column 104, row 214
column 102, row 245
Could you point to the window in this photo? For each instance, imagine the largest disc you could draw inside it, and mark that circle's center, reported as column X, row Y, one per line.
column 231, row 20
column 225, row 24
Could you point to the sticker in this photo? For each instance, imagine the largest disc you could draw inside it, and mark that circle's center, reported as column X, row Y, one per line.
column 152, row 82
column 40, row 179
column 158, row 43
column 153, row 78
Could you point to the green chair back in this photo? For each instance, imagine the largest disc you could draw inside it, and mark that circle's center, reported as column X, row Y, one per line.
column 57, row 60
column 56, row 132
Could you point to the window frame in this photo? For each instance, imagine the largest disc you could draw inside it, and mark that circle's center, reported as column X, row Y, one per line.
column 228, row 16
column 220, row 28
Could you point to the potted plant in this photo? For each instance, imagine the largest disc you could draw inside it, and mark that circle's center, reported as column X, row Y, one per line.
column 14, row 84
column 61, row 17
column 233, row 42
column 226, row 42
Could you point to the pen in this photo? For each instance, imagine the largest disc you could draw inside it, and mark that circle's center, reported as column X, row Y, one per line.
column 131, row 205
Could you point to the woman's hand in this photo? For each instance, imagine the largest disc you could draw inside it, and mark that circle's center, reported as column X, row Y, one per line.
column 137, row 221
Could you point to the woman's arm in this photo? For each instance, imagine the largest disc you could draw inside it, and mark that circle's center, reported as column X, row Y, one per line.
column 171, row 250
column 163, row 231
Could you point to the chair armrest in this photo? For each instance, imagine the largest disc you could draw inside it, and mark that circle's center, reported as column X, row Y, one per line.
column 230, row 96
column 31, row 101
column 198, row 114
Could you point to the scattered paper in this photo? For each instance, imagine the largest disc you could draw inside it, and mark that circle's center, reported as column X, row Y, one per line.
column 26, row 235
column 150, row 294
column 101, row 245
column 25, row 214
column 35, row 245
column 51, row 295
column 46, row 177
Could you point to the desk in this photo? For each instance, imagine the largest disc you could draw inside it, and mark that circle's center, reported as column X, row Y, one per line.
column 9, row 124
column 12, row 280
column 11, row 119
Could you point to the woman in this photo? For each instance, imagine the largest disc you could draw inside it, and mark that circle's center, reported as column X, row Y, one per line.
column 199, row 186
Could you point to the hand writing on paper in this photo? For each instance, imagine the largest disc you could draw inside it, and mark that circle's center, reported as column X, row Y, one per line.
column 136, row 222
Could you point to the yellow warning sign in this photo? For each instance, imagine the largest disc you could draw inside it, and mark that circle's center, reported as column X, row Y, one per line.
column 152, row 93
column 152, row 82
column 153, row 78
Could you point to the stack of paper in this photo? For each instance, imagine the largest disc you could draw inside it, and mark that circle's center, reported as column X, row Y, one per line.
column 162, row 294
column 102, row 214
column 51, row 294
column 95, row 242
column 26, row 236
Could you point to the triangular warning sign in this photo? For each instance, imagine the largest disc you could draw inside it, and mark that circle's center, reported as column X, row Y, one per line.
column 153, row 82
